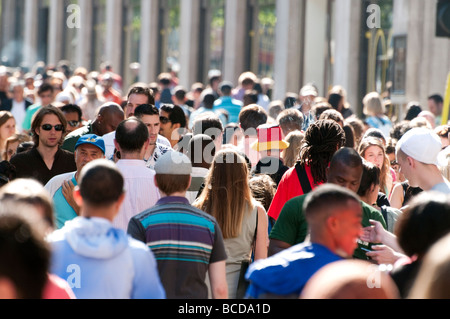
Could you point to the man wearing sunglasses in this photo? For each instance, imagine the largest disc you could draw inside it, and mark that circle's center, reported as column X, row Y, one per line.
column 46, row 159
column 73, row 114
column 173, row 123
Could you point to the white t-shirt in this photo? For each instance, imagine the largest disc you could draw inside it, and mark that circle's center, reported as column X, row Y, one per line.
column 18, row 111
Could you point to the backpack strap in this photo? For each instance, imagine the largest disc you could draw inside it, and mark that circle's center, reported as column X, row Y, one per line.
column 303, row 178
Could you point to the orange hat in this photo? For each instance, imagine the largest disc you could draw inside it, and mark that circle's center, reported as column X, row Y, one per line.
column 269, row 138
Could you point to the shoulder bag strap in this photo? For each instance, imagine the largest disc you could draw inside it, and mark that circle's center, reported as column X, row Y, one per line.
column 303, row 178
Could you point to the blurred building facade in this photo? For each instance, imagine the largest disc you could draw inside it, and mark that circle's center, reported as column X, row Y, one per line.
column 390, row 47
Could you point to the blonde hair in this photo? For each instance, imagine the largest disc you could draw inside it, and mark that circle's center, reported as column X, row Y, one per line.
column 445, row 170
column 227, row 195
column 373, row 104
column 291, row 154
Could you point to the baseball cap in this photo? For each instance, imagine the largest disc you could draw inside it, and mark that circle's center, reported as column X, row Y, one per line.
column 422, row 144
column 173, row 163
column 225, row 85
column 308, row 90
column 93, row 140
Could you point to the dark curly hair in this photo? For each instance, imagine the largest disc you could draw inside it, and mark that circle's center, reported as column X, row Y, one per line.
column 322, row 139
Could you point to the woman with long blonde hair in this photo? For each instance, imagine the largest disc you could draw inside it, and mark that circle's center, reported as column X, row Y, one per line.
column 243, row 220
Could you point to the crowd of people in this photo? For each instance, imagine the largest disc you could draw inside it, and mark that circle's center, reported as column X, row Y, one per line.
column 217, row 191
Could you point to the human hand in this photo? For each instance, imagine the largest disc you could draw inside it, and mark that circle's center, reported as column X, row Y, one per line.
column 67, row 191
column 374, row 233
column 382, row 254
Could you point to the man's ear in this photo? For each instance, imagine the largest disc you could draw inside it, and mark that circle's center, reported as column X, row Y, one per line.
column 331, row 223
column 116, row 145
column 411, row 161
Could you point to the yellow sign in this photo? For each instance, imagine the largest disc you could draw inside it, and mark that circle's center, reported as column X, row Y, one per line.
column 445, row 109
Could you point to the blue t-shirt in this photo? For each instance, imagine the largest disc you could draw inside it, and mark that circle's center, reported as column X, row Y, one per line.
column 231, row 105
column 63, row 211
column 286, row 273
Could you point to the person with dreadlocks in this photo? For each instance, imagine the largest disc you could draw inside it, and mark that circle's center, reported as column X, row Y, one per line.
column 322, row 139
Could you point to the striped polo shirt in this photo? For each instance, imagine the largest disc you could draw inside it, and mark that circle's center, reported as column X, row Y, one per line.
column 184, row 241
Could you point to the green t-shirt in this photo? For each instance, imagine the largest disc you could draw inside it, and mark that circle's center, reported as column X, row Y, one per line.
column 71, row 139
column 291, row 226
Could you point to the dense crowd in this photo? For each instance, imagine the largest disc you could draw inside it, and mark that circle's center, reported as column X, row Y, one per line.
column 217, row 191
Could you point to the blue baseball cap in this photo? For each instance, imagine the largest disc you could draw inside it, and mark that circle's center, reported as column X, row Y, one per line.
column 93, row 140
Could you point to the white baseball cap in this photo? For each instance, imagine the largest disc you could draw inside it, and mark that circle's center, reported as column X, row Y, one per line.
column 422, row 144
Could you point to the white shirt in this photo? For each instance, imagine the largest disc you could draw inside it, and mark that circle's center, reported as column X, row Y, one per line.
column 141, row 191
column 19, row 112
column 56, row 182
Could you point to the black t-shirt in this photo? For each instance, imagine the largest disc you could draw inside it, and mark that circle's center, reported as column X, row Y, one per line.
column 30, row 164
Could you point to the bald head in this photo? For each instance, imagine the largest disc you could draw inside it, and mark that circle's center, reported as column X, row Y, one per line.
column 108, row 118
column 131, row 135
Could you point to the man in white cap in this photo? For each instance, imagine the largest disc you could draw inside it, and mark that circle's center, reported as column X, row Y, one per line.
column 307, row 95
column 417, row 154
column 187, row 242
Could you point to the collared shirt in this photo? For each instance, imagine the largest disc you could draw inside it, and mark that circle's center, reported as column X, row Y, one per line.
column 184, row 240
column 141, row 191
column 159, row 151
column 308, row 119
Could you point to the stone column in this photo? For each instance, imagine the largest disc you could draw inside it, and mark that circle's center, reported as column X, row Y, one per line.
column 114, row 33
column 288, row 48
column 149, row 41
column 30, row 33
column 85, row 33
column 235, row 35
column 315, row 44
column 7, row 28
column 55, row 31
column 189, row 41
column 347, row 17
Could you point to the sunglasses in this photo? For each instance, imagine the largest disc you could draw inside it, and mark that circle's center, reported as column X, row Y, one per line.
column 73, row 123
column 164, row 120
column 48, row 127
